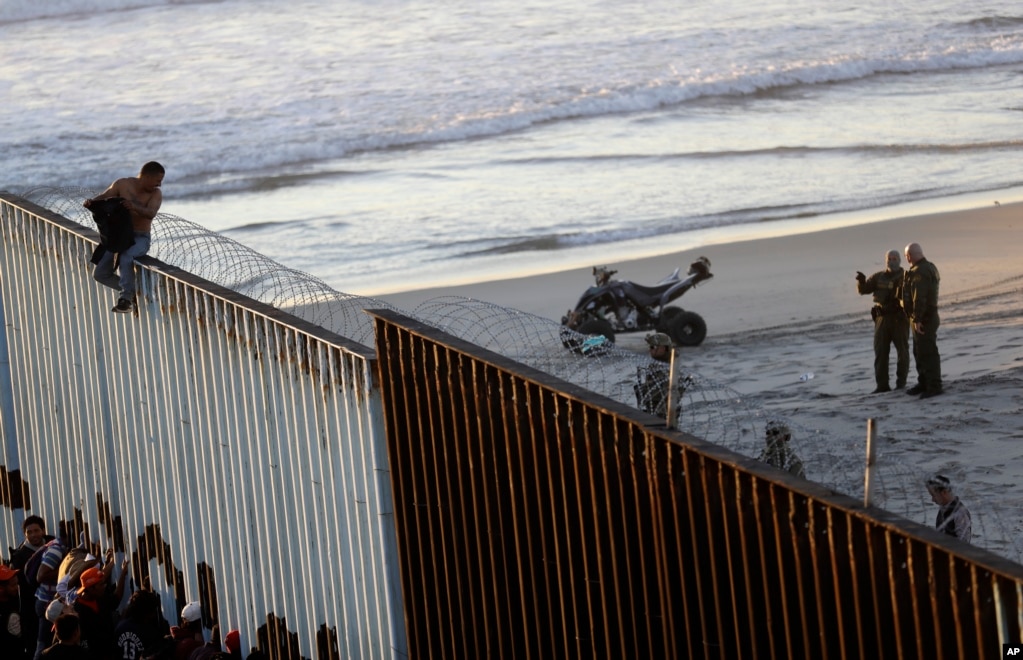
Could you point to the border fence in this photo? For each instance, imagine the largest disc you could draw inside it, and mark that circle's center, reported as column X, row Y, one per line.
column 538, row 520
column 431, row 498
column 233, row 452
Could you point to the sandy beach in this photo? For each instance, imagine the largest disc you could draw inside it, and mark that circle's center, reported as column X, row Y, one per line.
column 778, row 308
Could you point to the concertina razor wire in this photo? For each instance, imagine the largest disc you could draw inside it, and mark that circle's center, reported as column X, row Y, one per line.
column 708, row 410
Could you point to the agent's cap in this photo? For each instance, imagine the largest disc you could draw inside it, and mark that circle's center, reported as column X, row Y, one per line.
column 7, row 573
column 658, row 339
column 233, row 641
column 778, row 429
column 191, row 612
column 90, row 577
column 939, row 482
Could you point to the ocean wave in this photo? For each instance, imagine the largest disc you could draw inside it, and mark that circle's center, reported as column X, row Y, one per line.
column 272, row 226
column 215, row 152
column 259, row 226
column 994, row 23
column 636, row 98
column 196, row 186
column 638, row 231
column 783, row 150
column 16, row 11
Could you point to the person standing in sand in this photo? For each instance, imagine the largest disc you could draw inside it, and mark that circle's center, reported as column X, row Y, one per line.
column 890, row 323
column 142, row 197
column 920, row 300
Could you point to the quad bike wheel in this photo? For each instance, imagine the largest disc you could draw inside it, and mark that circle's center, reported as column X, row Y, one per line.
column 686, row 329
column 667, row 314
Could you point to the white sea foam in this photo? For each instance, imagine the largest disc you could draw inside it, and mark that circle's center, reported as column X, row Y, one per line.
column 24, row 10
column 256, row 100
column 510, row 126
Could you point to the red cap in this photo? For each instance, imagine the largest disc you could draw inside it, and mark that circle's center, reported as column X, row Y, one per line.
column 90, row 577
column 232, row 641
column 7, row 573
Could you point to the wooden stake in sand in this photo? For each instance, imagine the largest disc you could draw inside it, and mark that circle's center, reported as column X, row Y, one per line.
column 868, row 479
column 673, row 394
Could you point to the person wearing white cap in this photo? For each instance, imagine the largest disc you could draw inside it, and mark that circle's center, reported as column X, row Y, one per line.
column 188, row 636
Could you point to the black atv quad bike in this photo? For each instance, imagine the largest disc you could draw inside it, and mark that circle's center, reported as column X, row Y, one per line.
column 614, row 306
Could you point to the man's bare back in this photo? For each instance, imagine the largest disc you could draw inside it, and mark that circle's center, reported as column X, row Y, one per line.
column 142, row 197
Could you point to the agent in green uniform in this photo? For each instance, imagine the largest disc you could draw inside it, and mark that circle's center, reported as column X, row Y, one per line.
column 920, row 300
column 890, row 323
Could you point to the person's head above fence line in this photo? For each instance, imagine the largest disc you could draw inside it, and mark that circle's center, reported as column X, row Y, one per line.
column 191, row 612
column 660, row 345
column 940, row 488
column 777, row 431
column 939, row 482
column 90, row 578
column 233, row 642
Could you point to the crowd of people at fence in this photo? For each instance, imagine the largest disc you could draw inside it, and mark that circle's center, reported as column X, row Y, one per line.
column 61, row 601
column 58, row 601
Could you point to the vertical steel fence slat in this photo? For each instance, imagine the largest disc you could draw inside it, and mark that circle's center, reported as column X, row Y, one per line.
column 822, row 633
column 484, row 437
column 524, row 515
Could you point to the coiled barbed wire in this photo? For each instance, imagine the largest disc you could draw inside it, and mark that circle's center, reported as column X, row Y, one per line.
column 708, row 409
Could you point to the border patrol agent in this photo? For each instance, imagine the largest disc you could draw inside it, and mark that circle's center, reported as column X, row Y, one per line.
column 890, row 323
column 920, row 300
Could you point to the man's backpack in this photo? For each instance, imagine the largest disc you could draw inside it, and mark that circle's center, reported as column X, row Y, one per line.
column 75, row 562
column 36, row 560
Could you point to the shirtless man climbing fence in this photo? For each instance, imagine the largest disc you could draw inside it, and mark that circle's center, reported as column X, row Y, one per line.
column 142, row 197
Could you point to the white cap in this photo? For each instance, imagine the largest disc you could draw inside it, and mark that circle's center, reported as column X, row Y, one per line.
column 54, row 610
column 191, row 612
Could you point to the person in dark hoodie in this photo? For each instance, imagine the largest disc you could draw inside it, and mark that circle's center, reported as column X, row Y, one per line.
column 69, row 634
column 140, row 632
column 34, row 529
column 12, row 633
